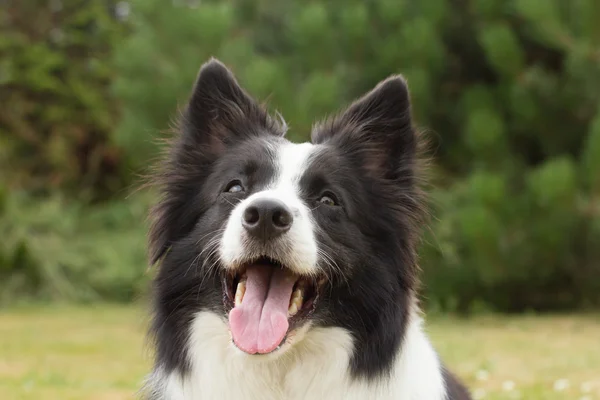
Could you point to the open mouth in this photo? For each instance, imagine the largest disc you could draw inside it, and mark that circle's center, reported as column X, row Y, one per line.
column 266, row 301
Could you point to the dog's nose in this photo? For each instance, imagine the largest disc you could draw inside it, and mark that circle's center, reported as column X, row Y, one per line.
column 267, row 218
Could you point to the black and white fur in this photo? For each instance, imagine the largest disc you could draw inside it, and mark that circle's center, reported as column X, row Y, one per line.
column 365, row 338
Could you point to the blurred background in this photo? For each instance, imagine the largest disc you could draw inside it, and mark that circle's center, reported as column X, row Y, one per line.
column 507, row 90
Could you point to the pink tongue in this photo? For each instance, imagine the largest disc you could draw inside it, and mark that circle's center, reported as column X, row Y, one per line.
column 260, row 323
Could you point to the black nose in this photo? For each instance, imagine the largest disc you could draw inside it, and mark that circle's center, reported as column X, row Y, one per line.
column 267, row 218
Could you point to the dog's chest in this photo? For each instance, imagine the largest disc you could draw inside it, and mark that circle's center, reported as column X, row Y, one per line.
column 310, row 380
column 315, row 378
column 315, row 368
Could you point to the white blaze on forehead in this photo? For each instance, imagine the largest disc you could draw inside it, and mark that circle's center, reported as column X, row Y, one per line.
column 292, row 161
column 297, row 248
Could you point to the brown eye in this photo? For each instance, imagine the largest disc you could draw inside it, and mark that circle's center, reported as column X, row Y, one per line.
column 234, row 187
column 328, row 199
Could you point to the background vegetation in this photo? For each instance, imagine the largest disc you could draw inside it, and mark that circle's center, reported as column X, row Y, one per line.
column 508, row 90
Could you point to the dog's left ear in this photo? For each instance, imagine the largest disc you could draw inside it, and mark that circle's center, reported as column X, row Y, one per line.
column 376, row 131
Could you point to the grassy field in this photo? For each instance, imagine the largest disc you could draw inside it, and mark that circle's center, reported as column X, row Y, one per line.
column 99, row 353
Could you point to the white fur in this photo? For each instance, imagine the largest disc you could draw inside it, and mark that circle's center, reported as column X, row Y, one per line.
column 297, row 249
column 315, row 366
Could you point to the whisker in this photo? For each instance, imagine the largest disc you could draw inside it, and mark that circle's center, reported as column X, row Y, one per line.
column 331, row 263
column 233, row 204
column 210, row 233
column 191, row 264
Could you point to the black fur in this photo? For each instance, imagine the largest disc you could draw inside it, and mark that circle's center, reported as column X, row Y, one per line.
column 455, row 390
column 367, row 156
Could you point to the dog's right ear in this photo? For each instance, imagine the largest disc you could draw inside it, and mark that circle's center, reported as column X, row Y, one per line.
column 219, row 114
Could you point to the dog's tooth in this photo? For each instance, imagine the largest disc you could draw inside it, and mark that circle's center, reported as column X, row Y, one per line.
column 298, row 294
column 293, row 309
column 296, row 302
column 240, row 291
column 297, row 297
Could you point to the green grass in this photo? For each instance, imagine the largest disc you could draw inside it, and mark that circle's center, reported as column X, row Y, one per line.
column 99, row 352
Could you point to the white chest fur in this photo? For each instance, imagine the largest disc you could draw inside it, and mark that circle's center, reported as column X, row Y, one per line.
column 314, row 368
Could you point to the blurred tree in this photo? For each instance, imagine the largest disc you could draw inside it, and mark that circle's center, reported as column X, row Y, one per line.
column 516, row 226
column 57, row 110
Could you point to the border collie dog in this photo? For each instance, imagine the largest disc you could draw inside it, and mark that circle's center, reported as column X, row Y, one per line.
column 289, row 271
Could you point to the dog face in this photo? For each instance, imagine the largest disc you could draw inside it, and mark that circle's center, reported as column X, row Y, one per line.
column 278, row 237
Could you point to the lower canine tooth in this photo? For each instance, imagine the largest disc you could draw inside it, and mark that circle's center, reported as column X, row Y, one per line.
column 296, row 302
column 239, row 293
column 293, row 309
column 297, row 295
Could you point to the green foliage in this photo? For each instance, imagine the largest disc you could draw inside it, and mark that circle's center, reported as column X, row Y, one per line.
column 508, row 89
column 58, row 250
column 57, row 111
column 591, row 155
column 155, row 75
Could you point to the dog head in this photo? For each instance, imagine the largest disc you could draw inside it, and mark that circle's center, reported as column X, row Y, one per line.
column 278, row 237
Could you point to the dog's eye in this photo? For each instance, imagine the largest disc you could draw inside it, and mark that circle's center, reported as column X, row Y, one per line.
column 234, row 187
column 328, row 199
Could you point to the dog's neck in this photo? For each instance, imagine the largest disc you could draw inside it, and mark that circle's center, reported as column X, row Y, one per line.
column 315, row 366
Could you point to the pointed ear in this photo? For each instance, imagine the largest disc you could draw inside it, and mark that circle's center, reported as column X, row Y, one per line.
column 376, row 130
column 219, row 113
